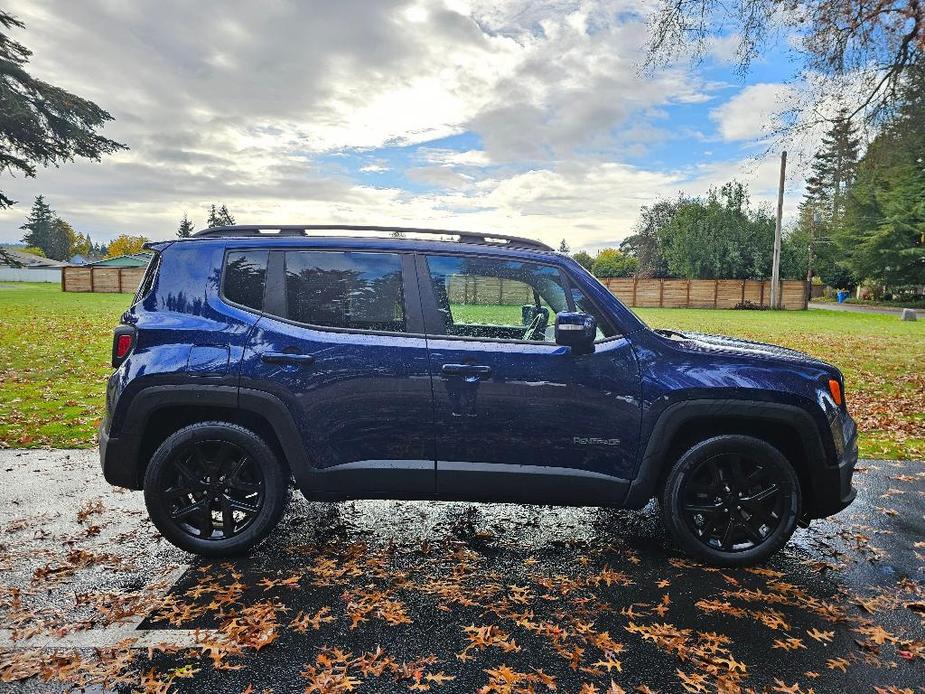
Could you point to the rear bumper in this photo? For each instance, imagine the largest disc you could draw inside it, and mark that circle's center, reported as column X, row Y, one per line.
column 118, row 458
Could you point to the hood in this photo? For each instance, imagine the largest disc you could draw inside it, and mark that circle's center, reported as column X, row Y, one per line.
column 721, row 344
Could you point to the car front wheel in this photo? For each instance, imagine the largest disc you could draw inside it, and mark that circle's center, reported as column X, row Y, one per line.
column 215, row 489
column 732, row 500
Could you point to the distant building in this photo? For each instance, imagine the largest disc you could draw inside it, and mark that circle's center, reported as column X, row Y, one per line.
column 133, row 260
column 16, row 266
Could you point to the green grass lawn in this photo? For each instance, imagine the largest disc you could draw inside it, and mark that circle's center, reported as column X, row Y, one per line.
column 54, row 360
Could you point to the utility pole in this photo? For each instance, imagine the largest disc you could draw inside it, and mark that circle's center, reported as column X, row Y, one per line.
column 775, row 260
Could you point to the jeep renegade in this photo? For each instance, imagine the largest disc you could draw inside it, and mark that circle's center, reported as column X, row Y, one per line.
column 358, row 362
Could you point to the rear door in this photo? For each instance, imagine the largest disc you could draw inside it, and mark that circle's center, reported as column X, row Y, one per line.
column 341, row 344
column 517, row 416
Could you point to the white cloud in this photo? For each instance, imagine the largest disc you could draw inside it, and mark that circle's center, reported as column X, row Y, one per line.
column 750, row 114
column 236, row 102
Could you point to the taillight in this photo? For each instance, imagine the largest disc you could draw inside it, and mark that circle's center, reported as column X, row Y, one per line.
column 122, row 343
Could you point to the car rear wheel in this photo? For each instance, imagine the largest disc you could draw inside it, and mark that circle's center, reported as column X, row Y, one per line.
column 731, row 500
column 215, row 489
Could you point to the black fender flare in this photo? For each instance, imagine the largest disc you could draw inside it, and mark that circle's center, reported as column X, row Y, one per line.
column 673, row 417
column 121, row 453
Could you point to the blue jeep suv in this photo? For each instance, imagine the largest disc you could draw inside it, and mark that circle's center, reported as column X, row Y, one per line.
column 427, row 364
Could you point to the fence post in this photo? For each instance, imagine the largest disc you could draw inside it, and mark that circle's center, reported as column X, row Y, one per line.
column 661, row 293
column 761, row 297
column 92, row 279
column 64, row 279
column 635, row 279
column 742, row 300
column 687, row 300
column 120, row 280
column 715, row 293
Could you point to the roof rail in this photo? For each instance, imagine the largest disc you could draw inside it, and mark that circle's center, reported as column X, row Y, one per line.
column 277, row 230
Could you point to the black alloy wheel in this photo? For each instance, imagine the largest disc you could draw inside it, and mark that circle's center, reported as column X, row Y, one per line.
column 733, row 503
column 215, row 489
column 731, row 500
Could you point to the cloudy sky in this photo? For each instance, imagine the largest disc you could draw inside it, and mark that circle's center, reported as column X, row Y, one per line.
column 513, row 116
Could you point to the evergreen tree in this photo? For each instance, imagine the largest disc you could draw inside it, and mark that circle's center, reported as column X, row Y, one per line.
column 186, row 228
column 219, row 217
column 834, row 168
column 883, row 238
column 42, row 124
column 38, row 225
column 225, row 216
column 563, row 247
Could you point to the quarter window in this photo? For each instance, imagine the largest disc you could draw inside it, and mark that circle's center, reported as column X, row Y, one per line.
column 362, row 291
column 245, row 278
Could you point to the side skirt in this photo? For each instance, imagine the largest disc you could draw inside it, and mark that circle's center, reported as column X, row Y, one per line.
column 530, row 484
column 476, row 482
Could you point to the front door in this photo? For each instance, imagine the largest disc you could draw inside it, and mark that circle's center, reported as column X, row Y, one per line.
column 340, row 343
column 517, row 416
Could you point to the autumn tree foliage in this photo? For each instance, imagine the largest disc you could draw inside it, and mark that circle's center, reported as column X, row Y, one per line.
column 126, row 245
column 41, row 124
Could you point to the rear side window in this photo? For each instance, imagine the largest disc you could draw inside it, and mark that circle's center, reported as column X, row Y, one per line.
column 245, row 278
column 147, row 281
column 360, row 291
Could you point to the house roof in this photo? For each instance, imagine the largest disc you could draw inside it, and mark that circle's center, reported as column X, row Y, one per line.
column 132, row 260
column 21, row 259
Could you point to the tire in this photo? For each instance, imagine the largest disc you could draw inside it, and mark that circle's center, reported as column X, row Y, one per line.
column 216, row 476
column 719, row 502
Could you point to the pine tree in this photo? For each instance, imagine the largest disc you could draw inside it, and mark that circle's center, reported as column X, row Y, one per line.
column 834, row 168
column 563, row 247
column 186, row 228
column 883, row 237
column 225, row 216
column 219, row 217
column 42, row 124
column 38, row 225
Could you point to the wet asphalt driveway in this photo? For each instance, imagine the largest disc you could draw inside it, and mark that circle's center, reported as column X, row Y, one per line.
column 451, row 597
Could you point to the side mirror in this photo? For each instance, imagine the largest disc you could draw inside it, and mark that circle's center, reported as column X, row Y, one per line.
column 576, row 330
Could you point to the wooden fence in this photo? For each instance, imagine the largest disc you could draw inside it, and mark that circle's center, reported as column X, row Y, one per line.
column 666, row 293
column 101, row 279
column 472, row 289
column 670, row 293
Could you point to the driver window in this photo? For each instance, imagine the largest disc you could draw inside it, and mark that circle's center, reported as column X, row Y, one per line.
column 497, row 299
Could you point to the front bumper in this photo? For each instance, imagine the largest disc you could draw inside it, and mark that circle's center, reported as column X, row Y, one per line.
column 833, row 489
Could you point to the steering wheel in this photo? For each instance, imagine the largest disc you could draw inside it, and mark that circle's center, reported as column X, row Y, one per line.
column 537, row 325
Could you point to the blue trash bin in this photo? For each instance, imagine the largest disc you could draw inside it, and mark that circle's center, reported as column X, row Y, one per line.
column 842, row 295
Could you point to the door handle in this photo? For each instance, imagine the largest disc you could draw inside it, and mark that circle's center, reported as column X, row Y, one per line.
column 466, row 370
column 287, row 358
